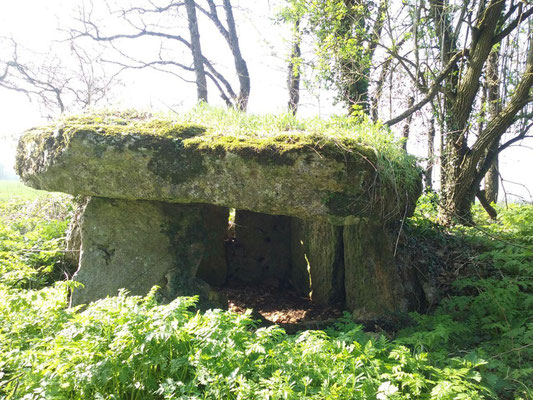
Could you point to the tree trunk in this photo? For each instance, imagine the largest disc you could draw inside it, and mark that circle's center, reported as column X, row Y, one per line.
column 492, row 181
column 475, row 163
column 447, row 46
column 229, row 34
column 196, row 49
column 458, row 192
column 407, row 126
column 374, row 106
column 240, row 64
column 355, row 71
column 293, row 81
column 352, row 75
column 428, row 181
column 494, row 108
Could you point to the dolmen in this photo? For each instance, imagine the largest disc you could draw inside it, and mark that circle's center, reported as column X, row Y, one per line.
column 314, row 210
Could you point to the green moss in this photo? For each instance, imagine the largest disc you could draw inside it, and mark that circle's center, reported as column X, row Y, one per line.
column 173, row 162
column 271, row 150
column 346, row 204
column 266, row 139
column 162, row 128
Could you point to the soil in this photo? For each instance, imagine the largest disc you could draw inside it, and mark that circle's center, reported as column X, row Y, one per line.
column 273, row 304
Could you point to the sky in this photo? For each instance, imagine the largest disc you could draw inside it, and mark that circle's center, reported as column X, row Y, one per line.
column 264, row 46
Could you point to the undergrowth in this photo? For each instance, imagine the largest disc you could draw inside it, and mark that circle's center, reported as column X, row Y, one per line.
column 476, row 344
column 488, row 311
column 32, row 240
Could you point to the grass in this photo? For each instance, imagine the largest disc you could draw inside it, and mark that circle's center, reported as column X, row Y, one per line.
column 10, row 189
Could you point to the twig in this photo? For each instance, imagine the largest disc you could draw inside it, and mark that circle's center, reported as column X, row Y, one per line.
column 401, row 226
column 513, row 349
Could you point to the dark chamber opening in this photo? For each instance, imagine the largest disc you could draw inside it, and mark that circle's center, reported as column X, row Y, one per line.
column 260, row 274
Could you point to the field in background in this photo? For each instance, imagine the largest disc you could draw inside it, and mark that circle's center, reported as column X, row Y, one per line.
column 11, row 189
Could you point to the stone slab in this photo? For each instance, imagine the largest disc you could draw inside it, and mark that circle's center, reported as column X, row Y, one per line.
column 138, row 244
column 292, row 174
column 372, row 282
column 261, row 250
column 317, row 260
column 213, row 268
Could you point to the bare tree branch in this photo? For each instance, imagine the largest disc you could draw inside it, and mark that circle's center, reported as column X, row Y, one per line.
column 430, row 93
column 57, row 85
column 523, row 15
column 202, row 66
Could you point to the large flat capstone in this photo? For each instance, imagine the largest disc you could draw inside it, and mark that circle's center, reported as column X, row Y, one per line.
column 299, row 174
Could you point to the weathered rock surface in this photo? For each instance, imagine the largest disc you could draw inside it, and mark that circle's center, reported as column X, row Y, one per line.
column 73, row 234
column 317, row 260
column 262, row 248
column 371, row 279
column 137, row 244
column 296, row 174
column 213, row 268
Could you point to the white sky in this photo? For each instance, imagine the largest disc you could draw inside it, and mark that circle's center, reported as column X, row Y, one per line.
column 34, row 23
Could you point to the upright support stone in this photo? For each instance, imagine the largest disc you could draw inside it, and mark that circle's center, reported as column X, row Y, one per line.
column 213, row 267
column 373, row 285
column 300, row 269
column 317, row 260
column 262, row 247
column 138, row 244
column 73, row 234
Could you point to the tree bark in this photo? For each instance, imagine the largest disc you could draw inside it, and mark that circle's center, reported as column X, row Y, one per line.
column 494, row 108
column 457, row 191
column 374, row 106
column 473, row 164
column 229, row 33
column 293, row 80
column 428, row 175
column 240, row 64
column 407, row 126
column 196, row 49
column 354, row 82
column 482, row 197
column 492, row 182
column 355, row 71
column 447, row 47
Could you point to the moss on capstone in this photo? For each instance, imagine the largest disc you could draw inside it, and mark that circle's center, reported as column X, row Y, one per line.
column 267, row 141
column 172, row 161
column 177, row 145
column 127, row 123
column 205, row 137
